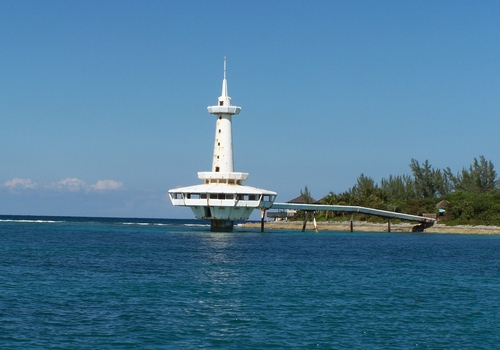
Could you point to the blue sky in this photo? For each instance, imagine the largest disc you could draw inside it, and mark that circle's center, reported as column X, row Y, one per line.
column 103, row 103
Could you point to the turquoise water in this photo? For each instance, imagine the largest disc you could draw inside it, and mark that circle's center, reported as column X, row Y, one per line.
column 80, row 283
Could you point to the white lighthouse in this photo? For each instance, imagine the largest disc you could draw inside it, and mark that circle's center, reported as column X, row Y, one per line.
column 222, row 198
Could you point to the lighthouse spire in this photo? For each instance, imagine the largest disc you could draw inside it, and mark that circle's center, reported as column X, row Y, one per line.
column 224, row 99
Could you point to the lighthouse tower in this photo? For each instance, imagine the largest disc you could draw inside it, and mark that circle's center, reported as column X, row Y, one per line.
column 223, row 146
column 222, row 198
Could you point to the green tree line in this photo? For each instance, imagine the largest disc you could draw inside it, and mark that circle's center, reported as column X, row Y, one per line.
column 472, row 194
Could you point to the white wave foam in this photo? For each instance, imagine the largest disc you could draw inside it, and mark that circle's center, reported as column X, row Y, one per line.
column 32, row 221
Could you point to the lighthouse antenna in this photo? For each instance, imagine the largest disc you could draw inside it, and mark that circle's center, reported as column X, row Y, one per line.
column 224, row 99
column 224, row 67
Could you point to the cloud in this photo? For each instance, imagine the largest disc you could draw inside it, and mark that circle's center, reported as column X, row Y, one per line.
column 103, row 185
column 17, row 183
column 71, row 184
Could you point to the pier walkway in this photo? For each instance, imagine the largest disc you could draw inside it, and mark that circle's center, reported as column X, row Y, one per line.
column 311, row 208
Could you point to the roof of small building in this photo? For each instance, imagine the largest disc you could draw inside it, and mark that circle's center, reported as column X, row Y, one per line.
column 301, row 200
column 443, row 204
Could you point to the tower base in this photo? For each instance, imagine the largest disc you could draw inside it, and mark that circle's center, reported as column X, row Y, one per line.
column 221, row 225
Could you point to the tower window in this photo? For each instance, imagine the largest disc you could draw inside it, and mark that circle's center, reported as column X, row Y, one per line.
column 219, row 130
column 221, row 103
column 217, row 169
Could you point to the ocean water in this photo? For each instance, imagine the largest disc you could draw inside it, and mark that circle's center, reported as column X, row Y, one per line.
column 81, row 283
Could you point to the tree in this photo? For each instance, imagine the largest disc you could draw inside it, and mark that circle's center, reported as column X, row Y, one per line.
column 306, row 195
column 481, row 177
column 346, row 198
column 398, row 188
column 365, row 187
column 429, row 182
column 329, row 199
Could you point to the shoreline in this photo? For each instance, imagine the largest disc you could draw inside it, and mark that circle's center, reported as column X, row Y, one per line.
column 363, row 226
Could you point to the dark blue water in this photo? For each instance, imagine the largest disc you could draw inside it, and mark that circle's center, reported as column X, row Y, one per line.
column 80, row 283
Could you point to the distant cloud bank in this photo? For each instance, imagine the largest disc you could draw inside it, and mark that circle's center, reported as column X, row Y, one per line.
column 20, row 183
column 103, row 185
column 69, row 184
column 72, row 185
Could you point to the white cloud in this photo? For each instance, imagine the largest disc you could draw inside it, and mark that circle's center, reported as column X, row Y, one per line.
column 102, row 185
column 20, row 183
column 71, row 184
